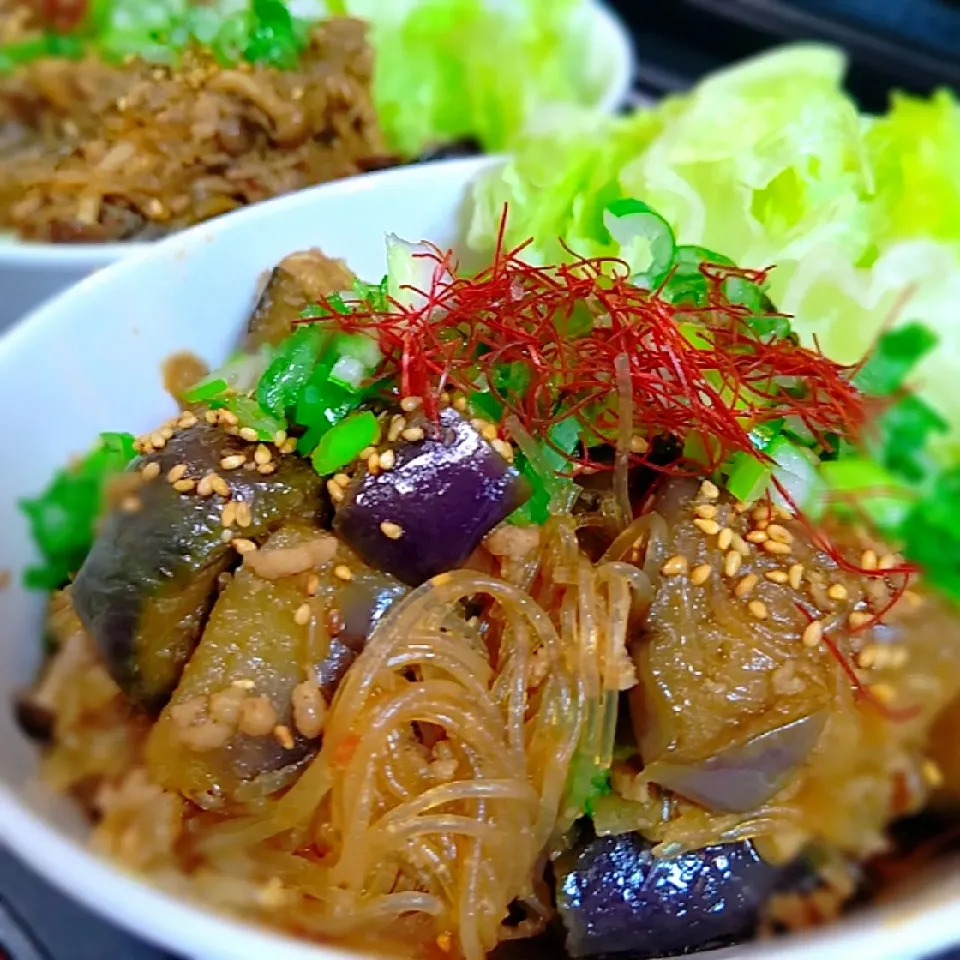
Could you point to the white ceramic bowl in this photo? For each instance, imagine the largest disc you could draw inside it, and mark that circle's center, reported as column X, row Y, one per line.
column 90, row 361
column 32, row 272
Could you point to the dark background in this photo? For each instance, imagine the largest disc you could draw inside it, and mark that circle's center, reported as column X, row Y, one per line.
column 910, row 44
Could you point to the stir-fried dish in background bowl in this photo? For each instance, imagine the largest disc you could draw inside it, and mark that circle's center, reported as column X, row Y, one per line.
column 121, row 122
column 526, row 604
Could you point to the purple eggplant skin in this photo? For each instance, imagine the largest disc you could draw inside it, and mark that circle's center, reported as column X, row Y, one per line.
column 146, row 587
column 363, row 602
column 744, row 777
column 445, row 493
column 615, row 897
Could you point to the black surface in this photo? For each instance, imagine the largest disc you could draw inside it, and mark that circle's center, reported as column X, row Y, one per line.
column 909, row 44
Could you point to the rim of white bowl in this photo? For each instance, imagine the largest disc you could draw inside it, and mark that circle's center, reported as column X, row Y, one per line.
column 895, row 931
column 613, row 37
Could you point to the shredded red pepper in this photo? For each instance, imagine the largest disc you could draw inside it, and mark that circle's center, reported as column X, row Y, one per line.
column 695, row 371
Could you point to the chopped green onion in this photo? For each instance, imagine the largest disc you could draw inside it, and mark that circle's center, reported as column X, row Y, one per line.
column 541, row 466
column 63, row 518
column 905, row 430
column 273, row 39
column 897, row 352
column 646, row 241
column 210, row 388
column 252, row 416
column 930, row 536
column 877, row 493
column 342, row 444
column 288, row 374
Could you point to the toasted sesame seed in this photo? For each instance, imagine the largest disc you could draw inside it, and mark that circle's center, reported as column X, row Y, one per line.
column 392, row 530
column 248, row 434
column 262, row 455
column 639, row 445
column 777, row 576
column 674, row 565
column 166, row 432
column 731, row 563
column 242, row 545
column 707, row 511
column 313, row 585
column 187, row 420
column 205, row 486
column 795, row 575
column 932, row 774
column 233, row 461
column 837, row 592
column 409, row 404
column 412, row 434
column 212, row 417
column 244, row 516
column 229, row 418
column 151, row 471
column 280, row 438
column 700, row 575
column 266, row 469
column 757, row 536
column 158, row 440
column 725, row 538
column 888, row 561
column 289, row 445
column 342, row 479
column 226, row 535
column 335, row 491
column 779, row 534
column 504, row 449
column 742, row 507
column 388, row 460
column 373, row 462
column 812, row 634
column 745, row 586
column 859, row 619
column 283, row 736
column 758, row 609
column 489, row 432
column 741, row 545
column 243, row 684
column 131, row 504
column 342, row 572
column 366, row 452
column 869, row 560
column 302, row 614
column 219, row 485
column 177, row 473
column 709, row 490
column 709, row 527
column 441, row 578
column 777, row 548
column 228, row 515
column 762, row 512
column 397, row 424
column 185, row 485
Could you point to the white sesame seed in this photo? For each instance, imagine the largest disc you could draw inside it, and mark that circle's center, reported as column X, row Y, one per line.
column 777, row 576
column 709, row 527
column 731, row 563
column 837, row 592
column 700, row 575
column 177, row 472
column 673, row 566
column 709, row 490
column 409, row 404
column 232, row 462
column 812, row 634
column 392, row 530
column 745, row 586
column 262, row 455
column 777, row 548
column 387, row 460
column 302, row 615
column 725, row 538
column 151, row 471
column 185, row 485
column 758, row 609
column 248, row 434
column 342, row 572
column 412, row 434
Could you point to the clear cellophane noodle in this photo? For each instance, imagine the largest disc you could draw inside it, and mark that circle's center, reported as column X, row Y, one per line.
column 367, row 846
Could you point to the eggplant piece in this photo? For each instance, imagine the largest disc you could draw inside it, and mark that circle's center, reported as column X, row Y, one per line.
column 362, row 602
column 149, row 581
column 297, row 281
column 615, row 897
column 255, row 647
column 743, row 777
column 445, row 493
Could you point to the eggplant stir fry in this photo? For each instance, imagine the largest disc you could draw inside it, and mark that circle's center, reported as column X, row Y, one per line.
column 514, row 611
